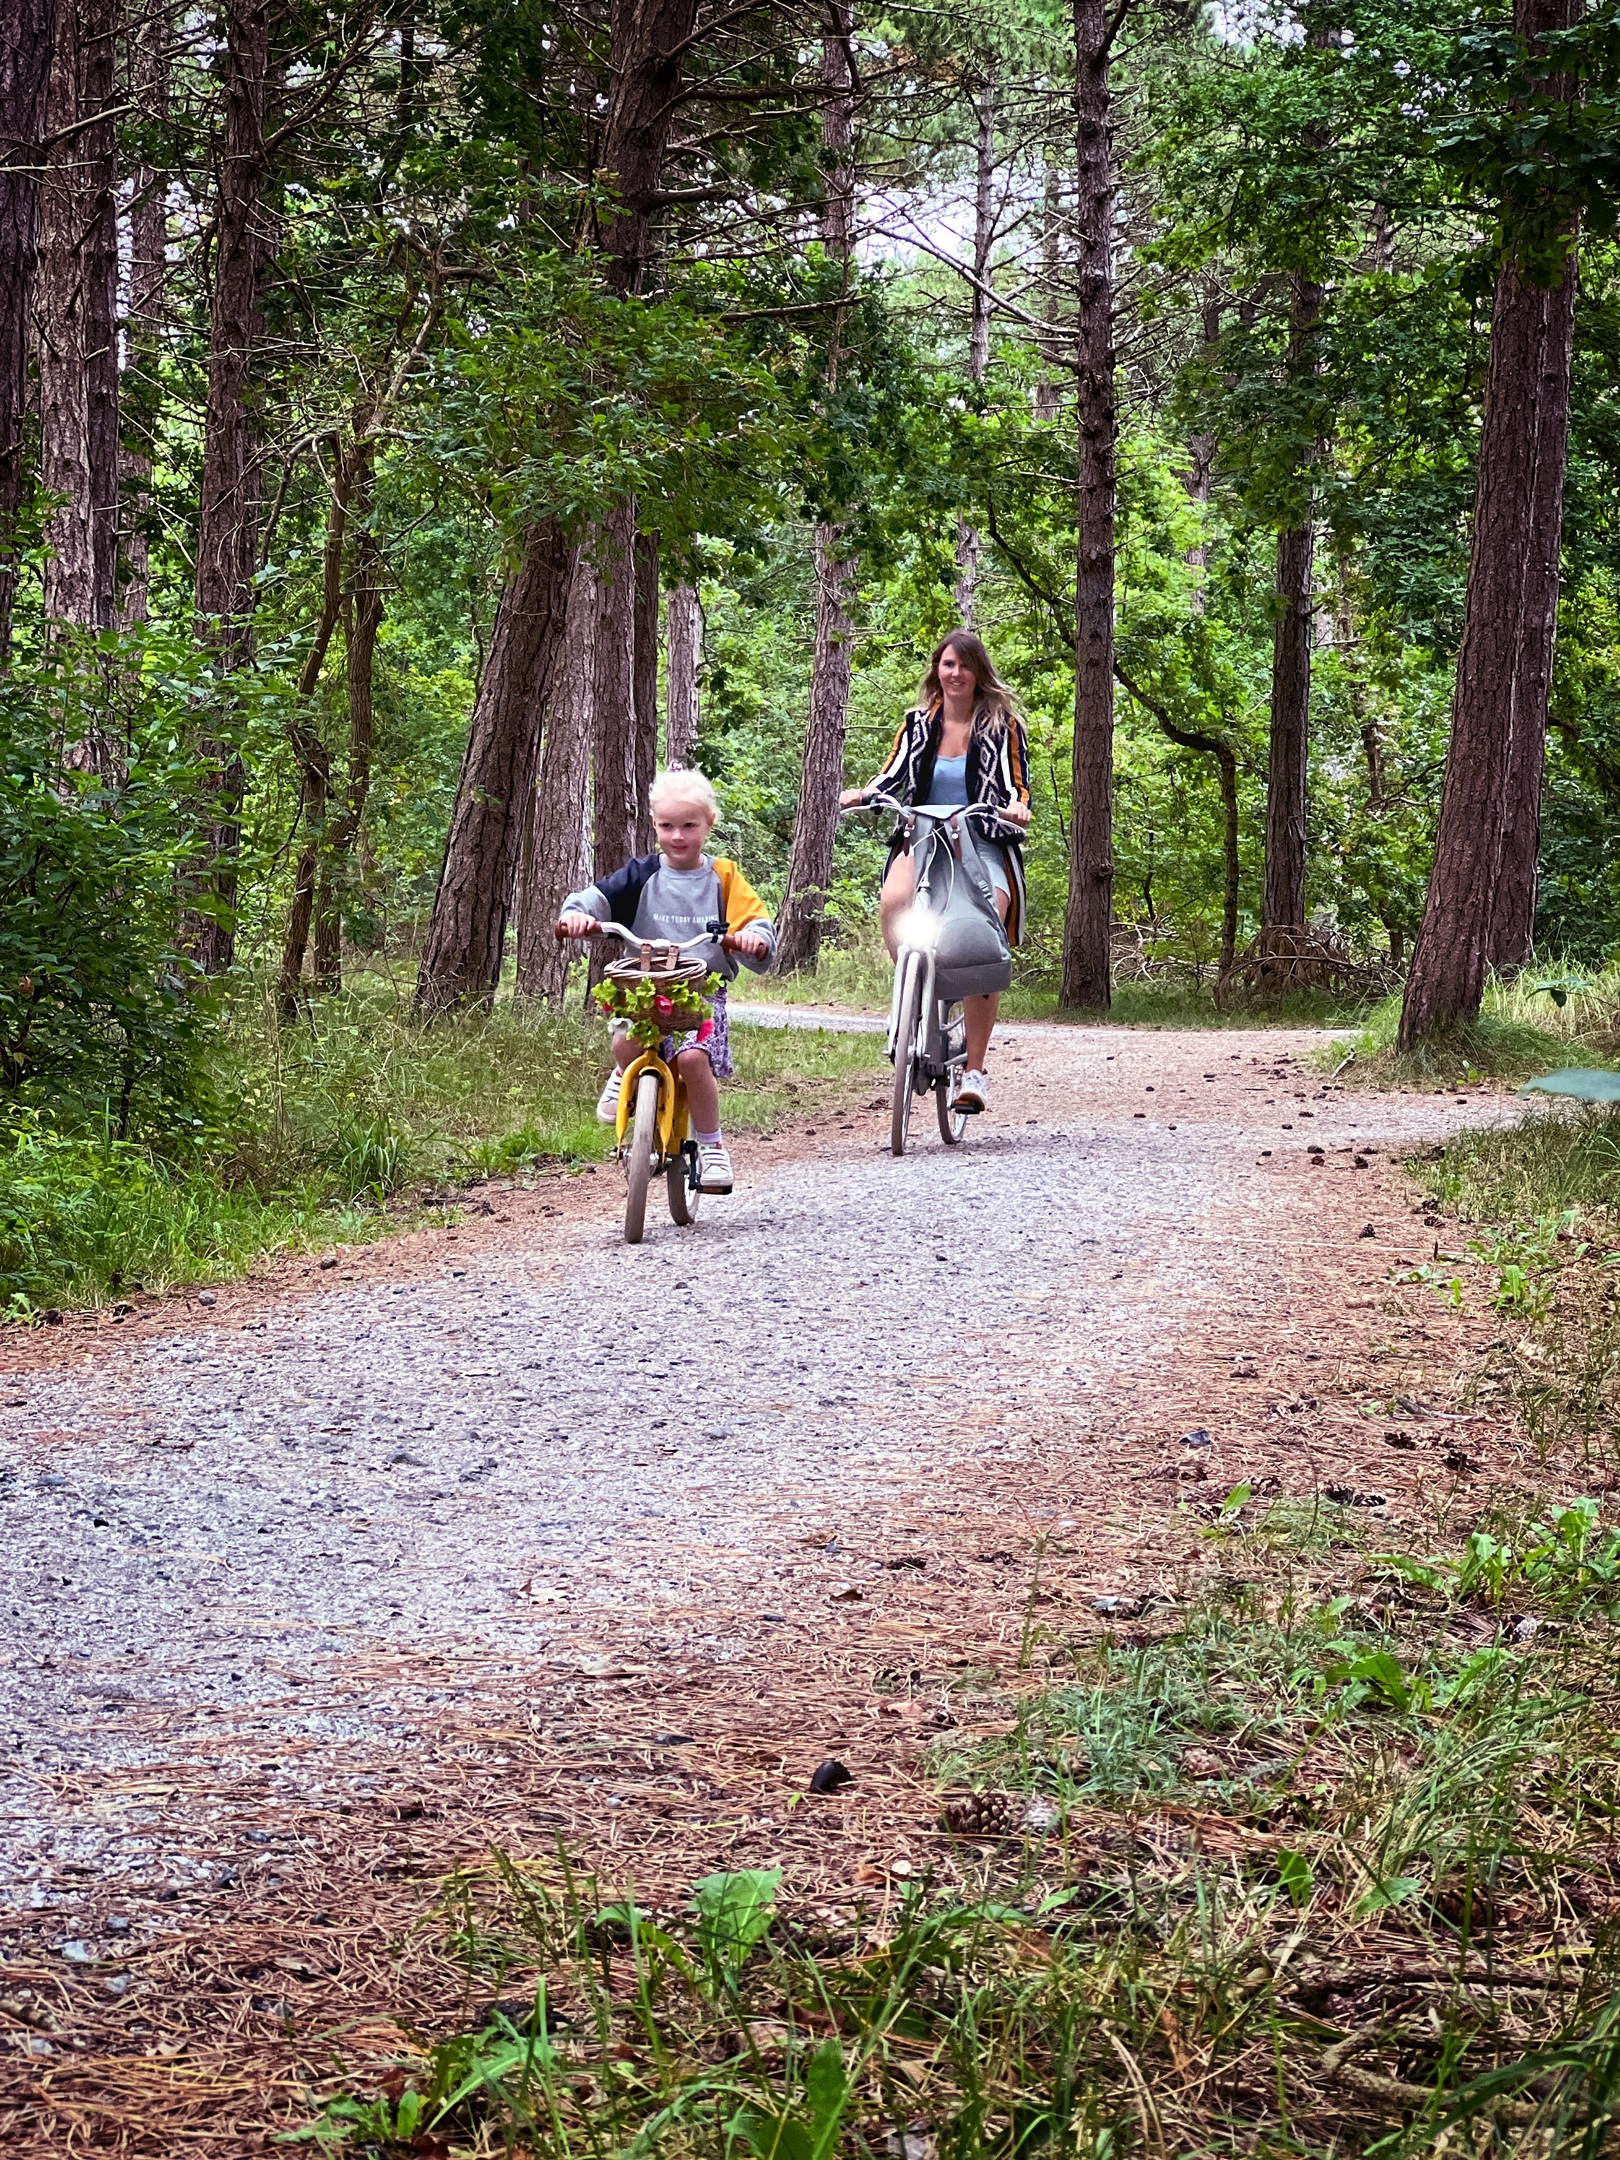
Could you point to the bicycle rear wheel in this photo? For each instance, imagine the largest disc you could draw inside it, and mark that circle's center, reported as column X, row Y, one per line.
column 682, row 1189
column 952, row 1122
column 905, row 1053
column 638, row 1158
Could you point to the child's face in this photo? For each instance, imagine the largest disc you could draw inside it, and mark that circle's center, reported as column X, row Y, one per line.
column 682, row 828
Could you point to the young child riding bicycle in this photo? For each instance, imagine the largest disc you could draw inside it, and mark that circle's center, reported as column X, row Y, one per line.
column 674, row 895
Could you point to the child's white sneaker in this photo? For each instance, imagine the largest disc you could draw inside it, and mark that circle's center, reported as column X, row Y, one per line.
column 714, row 1167
column 607, row 1103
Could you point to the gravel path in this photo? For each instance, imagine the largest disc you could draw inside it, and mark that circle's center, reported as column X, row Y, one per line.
column 497, row 1459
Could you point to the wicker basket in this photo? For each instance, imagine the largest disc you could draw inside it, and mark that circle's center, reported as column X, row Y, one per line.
column 660, row 964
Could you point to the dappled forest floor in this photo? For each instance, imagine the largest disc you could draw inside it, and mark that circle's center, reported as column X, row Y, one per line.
column 873, row 1469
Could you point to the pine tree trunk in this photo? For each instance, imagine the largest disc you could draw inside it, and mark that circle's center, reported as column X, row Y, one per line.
column 1283, row 898
column 969, row 546
column 614, row 697
column 682, row 660
column 461, row 959
column 646, row 685
column 363, row 624
column 1480, row 907
column 647, row 46
column 149, row 48
column 77, row 311
column 554, row 859
column 1283, row 905
column 228, row 500
column 307, row 742
column 815, row 827
column 1088, row 917
column 27, row 29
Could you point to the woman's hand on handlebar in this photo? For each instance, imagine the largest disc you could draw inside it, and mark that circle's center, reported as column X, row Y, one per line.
column 1015, row 813
column 853, row 798
column 577, row 924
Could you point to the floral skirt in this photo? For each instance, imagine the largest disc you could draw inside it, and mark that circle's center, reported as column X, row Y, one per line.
column 713, row 1038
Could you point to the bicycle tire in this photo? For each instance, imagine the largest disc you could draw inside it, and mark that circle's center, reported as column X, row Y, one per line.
column 683, row 1196
column 952, row 1122
column 905, row 1055
column 638, row 1161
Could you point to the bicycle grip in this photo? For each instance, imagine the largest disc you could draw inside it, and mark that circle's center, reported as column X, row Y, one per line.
column 562, row 936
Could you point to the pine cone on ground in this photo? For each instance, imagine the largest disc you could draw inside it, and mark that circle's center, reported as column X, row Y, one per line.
column 997, row 1814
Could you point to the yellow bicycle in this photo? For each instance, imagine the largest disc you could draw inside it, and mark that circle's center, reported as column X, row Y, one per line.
column 651, row 1135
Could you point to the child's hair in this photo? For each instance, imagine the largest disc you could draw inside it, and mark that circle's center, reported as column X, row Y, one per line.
column 684, row 786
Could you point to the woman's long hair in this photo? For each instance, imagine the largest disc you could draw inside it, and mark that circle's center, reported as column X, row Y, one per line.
column 994, row 707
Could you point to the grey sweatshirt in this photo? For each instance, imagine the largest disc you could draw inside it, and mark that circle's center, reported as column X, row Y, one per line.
column 676, row 905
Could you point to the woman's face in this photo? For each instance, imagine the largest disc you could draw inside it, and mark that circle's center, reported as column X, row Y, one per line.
column 955, row 680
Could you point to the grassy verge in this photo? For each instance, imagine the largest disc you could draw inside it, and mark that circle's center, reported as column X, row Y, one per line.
column 856, row 977
column 346, row 1125
column 1528, row 1025
column 1321, row 1863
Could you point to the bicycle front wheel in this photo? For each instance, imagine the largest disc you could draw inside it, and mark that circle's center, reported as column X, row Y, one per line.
column 638, row 1158
column 905, row 1053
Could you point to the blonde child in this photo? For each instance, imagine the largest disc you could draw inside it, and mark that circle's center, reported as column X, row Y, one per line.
column 675, row 894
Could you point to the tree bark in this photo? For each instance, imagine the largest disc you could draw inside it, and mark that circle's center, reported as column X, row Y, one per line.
column 815, row 827
column 77, row 316
column 554, row 862
column 614, row 697
column 27, row 29
column 647, row 44
column 308, row 743
column 969, row 545
column 1480, row 908
column 683, row 654
column 646, row 685
column 461, row 960
column 149, row 46
column 1088, row 917
column 1283, row 899
column 228, row 505
column 363, row 625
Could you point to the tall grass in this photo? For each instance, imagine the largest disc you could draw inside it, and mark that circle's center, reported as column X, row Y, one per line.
column 355, row 1118
column 1523, row 1029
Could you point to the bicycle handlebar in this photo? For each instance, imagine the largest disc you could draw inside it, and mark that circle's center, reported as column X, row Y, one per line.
column 941, row 814
column 728, row 942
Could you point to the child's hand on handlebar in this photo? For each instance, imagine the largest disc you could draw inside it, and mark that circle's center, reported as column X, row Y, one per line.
column 749, row 943
column 577, row 924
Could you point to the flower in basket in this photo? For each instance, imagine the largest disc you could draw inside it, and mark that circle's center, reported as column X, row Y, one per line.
column 664, row 1006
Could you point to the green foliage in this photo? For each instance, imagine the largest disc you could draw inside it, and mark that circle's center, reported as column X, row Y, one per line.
column 101, row 1014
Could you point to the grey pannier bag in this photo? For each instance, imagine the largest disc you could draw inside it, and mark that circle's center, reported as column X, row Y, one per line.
column 972, row 957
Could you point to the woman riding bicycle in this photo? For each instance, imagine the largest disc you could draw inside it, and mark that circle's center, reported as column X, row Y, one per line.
column 962, row 742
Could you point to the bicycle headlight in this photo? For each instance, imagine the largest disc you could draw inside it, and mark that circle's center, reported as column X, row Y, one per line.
column 918, row 927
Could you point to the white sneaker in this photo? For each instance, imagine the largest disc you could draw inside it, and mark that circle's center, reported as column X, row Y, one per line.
column 971, row 1094
column 714, row 1167
column 607, row 1103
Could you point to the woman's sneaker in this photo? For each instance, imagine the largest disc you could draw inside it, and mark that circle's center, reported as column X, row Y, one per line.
column 714, row 1167
column 607, row 1103
column 971, row 1094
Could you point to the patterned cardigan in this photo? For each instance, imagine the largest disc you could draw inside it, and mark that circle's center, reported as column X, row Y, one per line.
column 997, row 774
